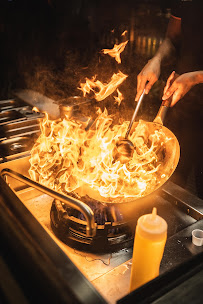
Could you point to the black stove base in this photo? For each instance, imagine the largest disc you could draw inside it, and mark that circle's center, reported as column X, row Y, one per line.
column 110, row 237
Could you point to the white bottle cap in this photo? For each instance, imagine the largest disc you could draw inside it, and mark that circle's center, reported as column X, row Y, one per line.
column 197, row 237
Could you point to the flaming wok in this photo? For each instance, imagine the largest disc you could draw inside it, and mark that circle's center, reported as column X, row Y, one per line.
column 72, row 159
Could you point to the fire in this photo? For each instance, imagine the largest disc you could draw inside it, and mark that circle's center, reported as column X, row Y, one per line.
column 116, row 51
column 118, row 98
column 103, row 90
column 68, row 158
column 35, row 109
column 100, row 90
column 124, row 33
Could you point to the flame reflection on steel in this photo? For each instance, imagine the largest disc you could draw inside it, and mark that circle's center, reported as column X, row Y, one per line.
column 35, row 109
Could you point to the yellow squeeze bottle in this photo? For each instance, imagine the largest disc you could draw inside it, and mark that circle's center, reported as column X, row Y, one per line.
column 149, row 243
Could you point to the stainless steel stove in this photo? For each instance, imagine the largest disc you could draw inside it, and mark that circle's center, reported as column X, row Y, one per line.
column 103, row 257
column 19, row 127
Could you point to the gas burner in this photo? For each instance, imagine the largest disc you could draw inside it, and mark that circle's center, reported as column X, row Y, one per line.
column 112, row 233
column 102, row 213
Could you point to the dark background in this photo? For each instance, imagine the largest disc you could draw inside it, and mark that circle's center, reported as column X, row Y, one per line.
column 50, row 46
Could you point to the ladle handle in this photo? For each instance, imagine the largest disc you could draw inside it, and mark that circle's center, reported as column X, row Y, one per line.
column 135, row 113
column 163, row 110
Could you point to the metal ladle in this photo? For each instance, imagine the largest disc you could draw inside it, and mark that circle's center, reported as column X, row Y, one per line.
column 125, row 147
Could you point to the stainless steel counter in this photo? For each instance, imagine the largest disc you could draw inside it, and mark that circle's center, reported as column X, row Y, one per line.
column 110, row 273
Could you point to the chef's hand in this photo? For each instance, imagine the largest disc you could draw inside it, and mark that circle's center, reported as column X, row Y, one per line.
column 178, row 86
column 150, row 73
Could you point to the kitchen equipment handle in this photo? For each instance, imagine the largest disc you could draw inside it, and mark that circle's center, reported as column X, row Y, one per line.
column 163, row 110
column 135, row 113
column 74, row 203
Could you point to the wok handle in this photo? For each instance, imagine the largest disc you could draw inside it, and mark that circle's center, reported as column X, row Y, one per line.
column 163, row 110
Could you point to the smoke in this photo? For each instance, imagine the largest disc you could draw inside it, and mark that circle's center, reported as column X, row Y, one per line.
column 56, row 48
column 53, row 81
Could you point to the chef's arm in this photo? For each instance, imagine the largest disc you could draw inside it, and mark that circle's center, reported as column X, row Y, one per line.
column 179, row 85
column 199, row 77
column 171, row 40
column 151, row 71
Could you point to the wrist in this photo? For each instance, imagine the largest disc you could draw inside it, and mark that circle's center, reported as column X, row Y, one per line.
column 158, row 58
column 199, row 77
column 195, row 77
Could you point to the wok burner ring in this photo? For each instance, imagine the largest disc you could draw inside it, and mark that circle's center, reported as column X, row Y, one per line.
column 112, row 233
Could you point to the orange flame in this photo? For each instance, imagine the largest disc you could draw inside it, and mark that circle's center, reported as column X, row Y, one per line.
column 116, row 51
column 118, row 98
column 35, row 109
column 124, row 33
column 68, row 158
column 105, row 89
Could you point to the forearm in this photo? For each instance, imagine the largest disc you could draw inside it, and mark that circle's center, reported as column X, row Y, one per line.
column 166, row 50
column 193, row 78
column 171, row 41
column 198, row 77
column 151, row 71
